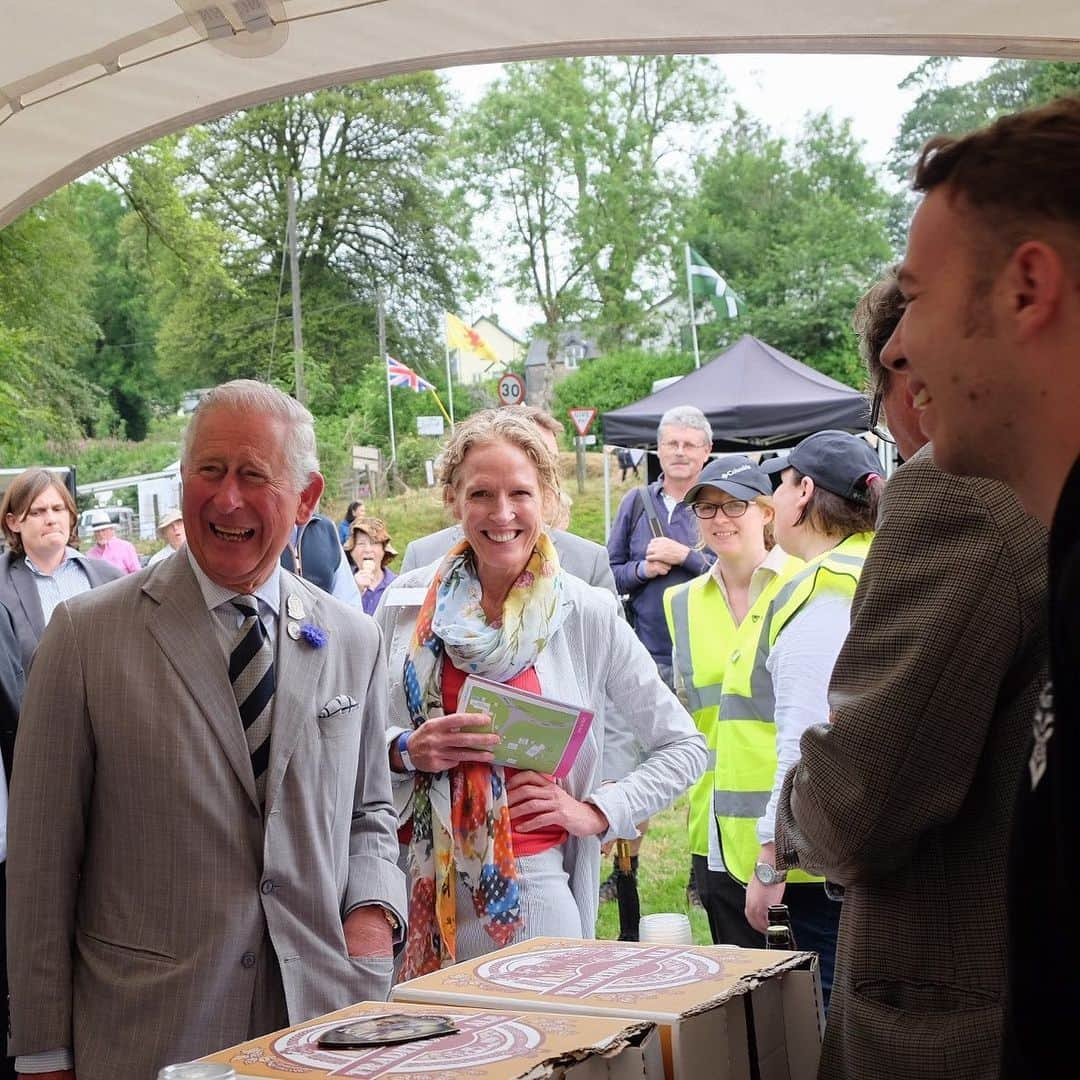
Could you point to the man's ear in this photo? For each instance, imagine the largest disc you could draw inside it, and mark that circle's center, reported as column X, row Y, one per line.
column 806, row 489
column 309, row 498
column 1034, row 278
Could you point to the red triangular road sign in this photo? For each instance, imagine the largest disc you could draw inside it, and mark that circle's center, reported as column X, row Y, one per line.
column 582, row 419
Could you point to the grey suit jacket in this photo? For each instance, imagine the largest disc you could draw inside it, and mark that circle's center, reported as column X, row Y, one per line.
column 19, row 595
column 578, row 556
column 142, row 880
column 906, row 797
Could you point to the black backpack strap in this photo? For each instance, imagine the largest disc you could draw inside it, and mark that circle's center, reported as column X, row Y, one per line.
column 656, row 526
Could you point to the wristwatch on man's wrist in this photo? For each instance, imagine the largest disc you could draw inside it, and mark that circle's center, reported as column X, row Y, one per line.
column 403, row 750
column 767, row 874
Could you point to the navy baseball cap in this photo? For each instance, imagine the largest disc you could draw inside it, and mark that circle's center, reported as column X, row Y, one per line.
column 736, row 475
column 834, row 460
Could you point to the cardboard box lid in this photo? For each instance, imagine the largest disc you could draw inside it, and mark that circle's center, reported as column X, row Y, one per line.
column 612, row 978
column 491, row 1043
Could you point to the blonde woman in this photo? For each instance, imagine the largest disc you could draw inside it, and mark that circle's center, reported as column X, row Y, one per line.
column 712, row 619
column 498, row 856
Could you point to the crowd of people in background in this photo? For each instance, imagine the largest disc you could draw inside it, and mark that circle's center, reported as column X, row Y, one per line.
column 861, row 684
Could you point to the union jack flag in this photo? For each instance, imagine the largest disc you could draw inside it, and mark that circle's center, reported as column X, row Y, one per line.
column 400, row 375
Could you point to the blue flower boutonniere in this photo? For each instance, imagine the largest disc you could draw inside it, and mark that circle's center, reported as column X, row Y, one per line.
column 314, row 635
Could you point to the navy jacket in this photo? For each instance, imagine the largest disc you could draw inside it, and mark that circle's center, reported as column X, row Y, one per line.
column 630, row 536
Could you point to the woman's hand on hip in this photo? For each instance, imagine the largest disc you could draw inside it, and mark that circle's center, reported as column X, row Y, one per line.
column 442, row 742
column 533, row 793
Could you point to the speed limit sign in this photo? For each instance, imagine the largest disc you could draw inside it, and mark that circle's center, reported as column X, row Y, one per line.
column 511, row 389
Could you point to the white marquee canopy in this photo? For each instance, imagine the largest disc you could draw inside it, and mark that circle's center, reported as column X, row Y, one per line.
column 81, row 82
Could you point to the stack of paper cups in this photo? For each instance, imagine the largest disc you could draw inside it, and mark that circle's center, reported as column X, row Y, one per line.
column 666, row 928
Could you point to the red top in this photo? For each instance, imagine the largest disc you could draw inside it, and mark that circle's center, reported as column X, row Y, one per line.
column 525, row 843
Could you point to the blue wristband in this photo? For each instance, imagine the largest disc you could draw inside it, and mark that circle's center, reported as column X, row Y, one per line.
column 403, row 750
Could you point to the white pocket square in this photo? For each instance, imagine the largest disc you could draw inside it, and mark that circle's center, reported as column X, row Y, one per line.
column 339, row 704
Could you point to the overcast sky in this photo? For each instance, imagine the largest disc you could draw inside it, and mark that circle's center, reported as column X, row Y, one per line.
column 780, row 90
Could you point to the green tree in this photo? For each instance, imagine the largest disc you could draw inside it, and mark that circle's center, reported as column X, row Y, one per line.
column 374, row 211
column 122, row 358
column 575, row 161
column 46, row 275
column 616, row 379
column 944, row 107
column 798, row 230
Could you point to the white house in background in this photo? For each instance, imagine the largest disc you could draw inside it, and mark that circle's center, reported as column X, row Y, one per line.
column 573, row 349
column 508, row 351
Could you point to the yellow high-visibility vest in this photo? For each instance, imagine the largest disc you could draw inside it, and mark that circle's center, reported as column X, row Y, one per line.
column 746, row 758
column 705, row 637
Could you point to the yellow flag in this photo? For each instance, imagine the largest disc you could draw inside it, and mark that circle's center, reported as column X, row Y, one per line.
column 465, row 338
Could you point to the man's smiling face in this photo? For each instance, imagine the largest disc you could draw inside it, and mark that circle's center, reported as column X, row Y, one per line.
column 240, row 502
column 955, row 358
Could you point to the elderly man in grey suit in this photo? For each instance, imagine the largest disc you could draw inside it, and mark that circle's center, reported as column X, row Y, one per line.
column 582, row 558
column 202, row 831
column 906, row 797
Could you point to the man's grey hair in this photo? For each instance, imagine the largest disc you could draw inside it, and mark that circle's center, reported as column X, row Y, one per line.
column 685, row 416
column 251, row 396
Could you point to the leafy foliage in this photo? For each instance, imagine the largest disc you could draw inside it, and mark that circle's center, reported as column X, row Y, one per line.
column 573, row 155
column 46, row 275
column 373, row 211
column 619, row 378
column 799, row 231
column 947, row 108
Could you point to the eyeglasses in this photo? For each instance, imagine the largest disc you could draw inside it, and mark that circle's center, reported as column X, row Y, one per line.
column 876, row 403
column 675, row 446
column 733, row 508
column 875, row 408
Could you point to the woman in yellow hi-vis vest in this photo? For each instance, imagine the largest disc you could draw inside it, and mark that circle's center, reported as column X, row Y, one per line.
column 825, row 502
column 712, row 619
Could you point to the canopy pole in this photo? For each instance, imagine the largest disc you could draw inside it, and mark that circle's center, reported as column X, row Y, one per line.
column 607, row 493
column 693, row 314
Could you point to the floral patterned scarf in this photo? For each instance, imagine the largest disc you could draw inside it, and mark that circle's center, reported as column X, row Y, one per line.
column 461, row 821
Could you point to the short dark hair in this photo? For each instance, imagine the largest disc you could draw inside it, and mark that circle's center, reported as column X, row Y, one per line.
column 833, row 515
column 1020, row 176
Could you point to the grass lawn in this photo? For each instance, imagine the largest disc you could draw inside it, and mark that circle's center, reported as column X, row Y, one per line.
column 662, row 873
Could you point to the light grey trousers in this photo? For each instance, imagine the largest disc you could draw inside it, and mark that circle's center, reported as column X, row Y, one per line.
column 548, row 907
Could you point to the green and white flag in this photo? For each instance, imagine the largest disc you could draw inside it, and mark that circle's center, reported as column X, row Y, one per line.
column 707, row 284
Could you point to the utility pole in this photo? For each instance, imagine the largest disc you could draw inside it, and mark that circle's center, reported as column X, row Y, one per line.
column 380, row 308
column 294, row 273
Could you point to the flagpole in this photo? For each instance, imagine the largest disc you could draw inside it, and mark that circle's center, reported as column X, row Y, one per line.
column 449, row 373
column 442, row 409
column 693, row 314
column 386, row 375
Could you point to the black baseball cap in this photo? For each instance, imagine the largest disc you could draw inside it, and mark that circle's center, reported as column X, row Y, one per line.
column 736, row 475
column 834, row 460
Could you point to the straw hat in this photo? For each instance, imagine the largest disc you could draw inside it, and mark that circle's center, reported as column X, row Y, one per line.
column 170, row 517
column 374, row 529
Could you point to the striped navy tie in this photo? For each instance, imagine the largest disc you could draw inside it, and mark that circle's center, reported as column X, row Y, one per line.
column 251, row 672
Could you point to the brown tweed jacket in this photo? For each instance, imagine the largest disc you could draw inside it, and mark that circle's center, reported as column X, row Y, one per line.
column 906, row 797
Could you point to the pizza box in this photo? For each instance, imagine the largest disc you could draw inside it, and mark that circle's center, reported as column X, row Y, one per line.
column 723, row 1012
column 492, row 1044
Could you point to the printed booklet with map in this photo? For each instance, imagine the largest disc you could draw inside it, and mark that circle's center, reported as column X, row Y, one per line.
column 537, row 732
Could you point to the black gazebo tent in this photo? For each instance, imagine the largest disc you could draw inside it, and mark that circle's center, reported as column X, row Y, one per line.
column 755, row 397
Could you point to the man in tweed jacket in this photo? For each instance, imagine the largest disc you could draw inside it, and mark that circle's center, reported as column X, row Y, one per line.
column 906, row 797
